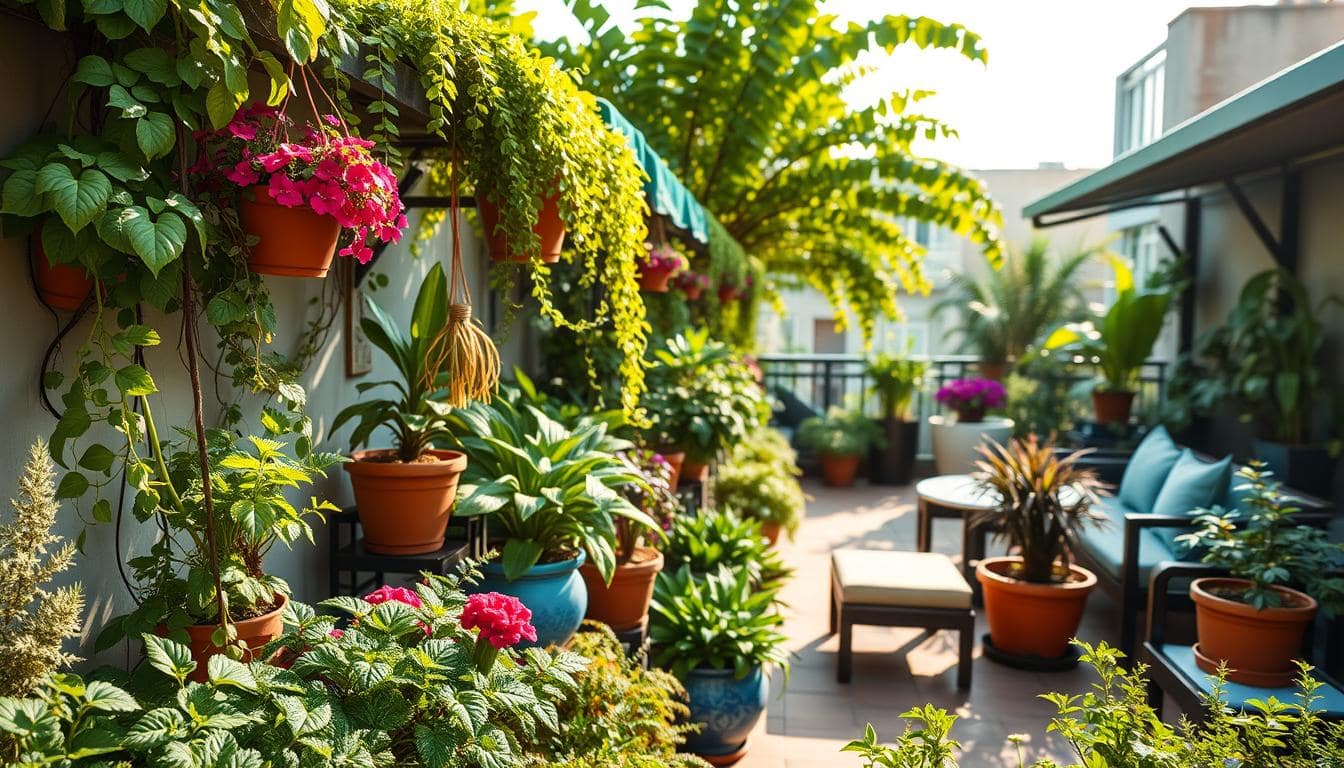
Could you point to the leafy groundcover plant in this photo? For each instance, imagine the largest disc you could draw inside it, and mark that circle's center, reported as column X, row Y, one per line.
column 720, row 537
column 1112, row 725
column 417, row 677
column 719, row 620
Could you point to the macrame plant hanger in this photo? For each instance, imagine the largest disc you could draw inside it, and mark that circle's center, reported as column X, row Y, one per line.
column 470, row 353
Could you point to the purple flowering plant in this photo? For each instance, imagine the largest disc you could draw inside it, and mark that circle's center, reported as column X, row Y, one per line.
column 971, row 397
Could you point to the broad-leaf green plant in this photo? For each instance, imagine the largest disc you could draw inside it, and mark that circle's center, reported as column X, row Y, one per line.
column 720, row 620
column 841, row 432
column 720, row 537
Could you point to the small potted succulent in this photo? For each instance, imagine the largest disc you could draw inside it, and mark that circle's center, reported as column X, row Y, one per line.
column 723, row 669
column 693, row 284
column 896, row 381
column 405, row 494
column 663, row 264
column 623, row 602
column 956, row 441
column 552, row 494
column 1254, row 619
column 298, row 195
column 841, row 439
column 1034, row 600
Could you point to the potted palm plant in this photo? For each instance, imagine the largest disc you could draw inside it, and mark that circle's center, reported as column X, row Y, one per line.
column 552, row 494
column 840, row 438
column 956, row 441
column 1034, row 599
column 1254, row 620
column 718, row 633
column 405, row 494
column 1118, row 342
column 896, row 381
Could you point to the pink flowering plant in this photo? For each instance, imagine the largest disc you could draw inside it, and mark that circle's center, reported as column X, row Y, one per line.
column 665, row 259
column 691, row 282
column 971, row 397
column 326, row 169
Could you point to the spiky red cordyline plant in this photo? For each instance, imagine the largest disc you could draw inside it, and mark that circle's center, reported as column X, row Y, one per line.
column 1028, row 477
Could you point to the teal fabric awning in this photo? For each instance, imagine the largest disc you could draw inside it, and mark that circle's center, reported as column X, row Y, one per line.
column 668, row 197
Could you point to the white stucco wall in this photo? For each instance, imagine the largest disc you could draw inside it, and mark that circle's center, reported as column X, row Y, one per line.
column 29, row 56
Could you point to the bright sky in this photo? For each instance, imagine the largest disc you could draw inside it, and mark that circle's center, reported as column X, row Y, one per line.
column 1048, row 92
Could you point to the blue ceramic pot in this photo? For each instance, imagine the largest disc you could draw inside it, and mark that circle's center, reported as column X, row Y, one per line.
column 554, row 592
column 728, row 708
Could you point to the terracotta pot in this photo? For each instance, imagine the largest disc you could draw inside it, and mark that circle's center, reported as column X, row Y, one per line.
column 255, row 633
column 404, row 508
column 727, row 293
column 1258, row 645
column 839, row 471
column 993, row 370
column 692, row 291
column 59, row 286
column 694, row 471
column 1112, row 407
column 292, row 242
column 654, row 281
column 623, row 604
column 674, row 459
column 1028, row 619
column 771, row 532
column 549, row 227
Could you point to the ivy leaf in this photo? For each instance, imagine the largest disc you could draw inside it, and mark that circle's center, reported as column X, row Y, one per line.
column 102, row 511
column 119, row 167
column 302, row 24
column 279, row 80
column 20, row 196
column 97, row 458
column 72, row 486
column 115, row 26
column 221, row 104
column 76, row 200
column 179, row 202
column 154, row 134
column 145, row 13
column 93, row 70
column 74, row 422
column 155, row 64
column 130, row 107
column 156, row 242
column 134, row 381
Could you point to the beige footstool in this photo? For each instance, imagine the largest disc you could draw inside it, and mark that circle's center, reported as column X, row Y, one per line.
column 899, row 589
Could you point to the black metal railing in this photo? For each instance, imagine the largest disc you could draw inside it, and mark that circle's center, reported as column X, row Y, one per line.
column 807, row 384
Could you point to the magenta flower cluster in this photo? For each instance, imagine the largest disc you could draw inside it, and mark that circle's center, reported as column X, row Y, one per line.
column 664, row 258
column 502, row 619
column 972, row 397
column 329, row 172
column 692, row 281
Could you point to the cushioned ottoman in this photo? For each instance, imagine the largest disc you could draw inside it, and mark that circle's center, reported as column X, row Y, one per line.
column 899, row 589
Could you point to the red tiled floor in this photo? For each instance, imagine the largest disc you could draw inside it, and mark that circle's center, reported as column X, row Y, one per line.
column 808, row 721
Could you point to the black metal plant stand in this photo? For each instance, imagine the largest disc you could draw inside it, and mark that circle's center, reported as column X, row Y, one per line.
column 465, row 539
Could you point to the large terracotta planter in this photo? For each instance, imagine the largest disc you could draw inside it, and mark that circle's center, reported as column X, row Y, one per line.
column 993, row 370
column 59, row 286
column 623, row 604
column 1259, row 646
column 694, row 471
column 955, row 442
column 771, row 532
column 554, row 592
column 404, row 508
column 291, row 242
column 1112, row 407
column 1028, row 619
column 839, row 470
column 894, row 464
column 675, row 460
column 549, row 227
column 728, row 708
column 254, row 633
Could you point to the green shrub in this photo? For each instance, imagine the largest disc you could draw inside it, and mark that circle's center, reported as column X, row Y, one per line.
column 719, row 537
column 839, row 433
column 722, row 620
column 767, row 492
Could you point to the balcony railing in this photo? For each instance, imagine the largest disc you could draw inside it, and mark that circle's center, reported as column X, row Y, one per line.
column 808, row 384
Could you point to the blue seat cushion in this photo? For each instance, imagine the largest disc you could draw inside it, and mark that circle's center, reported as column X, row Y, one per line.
column 1183, row 658
column 1191, row 485
column 1106, row 543
column 1147, row 470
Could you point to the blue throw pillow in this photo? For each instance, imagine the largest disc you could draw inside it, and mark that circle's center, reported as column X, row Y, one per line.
column 1147, row 470
column 1191, row 485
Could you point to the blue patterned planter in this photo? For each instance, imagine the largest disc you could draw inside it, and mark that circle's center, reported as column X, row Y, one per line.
column 554, row 592
column 728, row 708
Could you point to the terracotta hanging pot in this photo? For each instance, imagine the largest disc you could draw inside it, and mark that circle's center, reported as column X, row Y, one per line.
column 654, row 281
column 1028, row 619
column 291, row 242
column 549, row 227
column 692, row 291
column 1112, row 407
column 674, row 460
column 839, row 470
column 623, row 604
column 1259, row 646
column 255, row 633
column 404, row 508
column 59, row 286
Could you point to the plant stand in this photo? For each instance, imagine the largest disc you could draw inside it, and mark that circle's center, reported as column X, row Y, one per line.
column 1030, row 663
column 348, row 559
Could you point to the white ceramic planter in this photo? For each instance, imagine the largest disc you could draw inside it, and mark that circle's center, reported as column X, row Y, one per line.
column 954, row 443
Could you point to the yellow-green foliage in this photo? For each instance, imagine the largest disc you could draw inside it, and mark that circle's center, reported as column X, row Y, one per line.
column 34, row 621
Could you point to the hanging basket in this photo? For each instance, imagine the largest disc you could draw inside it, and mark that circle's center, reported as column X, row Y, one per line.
column 59, row 286
column 549, row 227
column 291, row 242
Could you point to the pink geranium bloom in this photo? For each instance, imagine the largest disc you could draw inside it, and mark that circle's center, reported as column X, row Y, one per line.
column 387, row 594
column 503, row 620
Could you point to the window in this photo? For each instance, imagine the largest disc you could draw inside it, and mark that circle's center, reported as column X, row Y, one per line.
column 1142, row 245
column 1138, row 102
